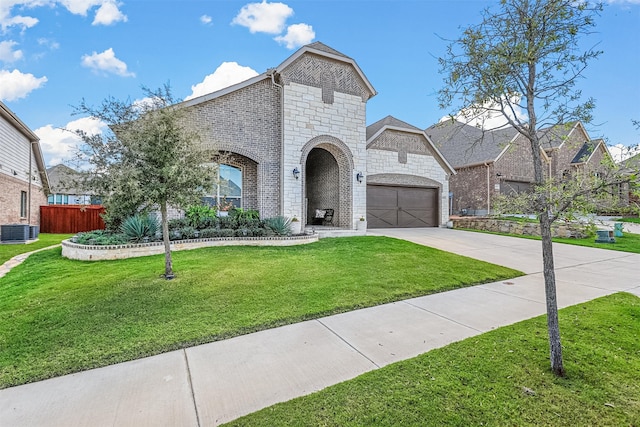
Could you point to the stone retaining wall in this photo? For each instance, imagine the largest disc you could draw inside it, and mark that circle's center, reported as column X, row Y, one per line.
column 524, row 228
column 112, row 252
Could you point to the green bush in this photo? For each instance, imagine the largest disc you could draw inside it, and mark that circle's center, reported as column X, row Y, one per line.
column 224, row 232
column 279, row 225
column 227, row 222
column 208, row 232
column 101, row 237
column 177, row 223
column 137, row 227
column 200, row 216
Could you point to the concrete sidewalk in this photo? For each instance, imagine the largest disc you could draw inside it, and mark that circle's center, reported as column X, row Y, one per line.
column 218, row 382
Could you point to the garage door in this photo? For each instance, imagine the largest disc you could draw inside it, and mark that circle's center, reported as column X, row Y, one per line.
column 389, row 206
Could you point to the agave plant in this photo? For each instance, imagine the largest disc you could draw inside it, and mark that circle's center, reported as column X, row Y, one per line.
column 137, row 227
column 280, row 225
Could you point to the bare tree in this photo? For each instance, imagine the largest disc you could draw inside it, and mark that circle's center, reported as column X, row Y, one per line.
column 526, row 56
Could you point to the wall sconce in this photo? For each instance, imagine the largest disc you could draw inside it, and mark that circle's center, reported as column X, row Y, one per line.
column 359, row 176
column 296, row 173
column 15, row 173
column 498, row 174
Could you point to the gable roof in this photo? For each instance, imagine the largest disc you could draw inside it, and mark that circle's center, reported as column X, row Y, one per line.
column 587, row 150
column 464, row 145
column 391, row 123
column 316, row 48
column 10, row 117
column 59, row 177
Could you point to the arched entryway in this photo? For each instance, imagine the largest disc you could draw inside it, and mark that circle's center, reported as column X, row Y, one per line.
column 328, row 166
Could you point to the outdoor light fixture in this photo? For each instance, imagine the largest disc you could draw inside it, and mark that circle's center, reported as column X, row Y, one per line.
column 296, row 173
column 498, row 174
column 359, row 176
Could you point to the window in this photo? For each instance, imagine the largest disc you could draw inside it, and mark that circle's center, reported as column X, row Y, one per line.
column 50, row 199
column 228, row 187
column 23, row 204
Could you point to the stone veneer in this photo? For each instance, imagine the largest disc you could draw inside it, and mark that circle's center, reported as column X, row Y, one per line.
column 113, row 252
column 399, row 158
column 515, row 227
column 338, row 128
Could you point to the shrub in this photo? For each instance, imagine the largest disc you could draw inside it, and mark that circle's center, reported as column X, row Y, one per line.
column 227, row 222
column 225, row 232
column 101, row 237
column 188, row 232
column 137, row 227
column 200, row 216
column 177, row 223
column 208, row 232
column 245, row 214
column 279, row 225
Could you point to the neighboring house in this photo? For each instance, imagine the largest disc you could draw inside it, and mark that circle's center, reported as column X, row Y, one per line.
column 23, row 178
column 62, row 190
column 296, row 143
column 489, row 163
column 631, row 166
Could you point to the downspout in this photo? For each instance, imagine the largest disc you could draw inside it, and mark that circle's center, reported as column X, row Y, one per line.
column 488, row 190
column 29, row 190
column 271, row 72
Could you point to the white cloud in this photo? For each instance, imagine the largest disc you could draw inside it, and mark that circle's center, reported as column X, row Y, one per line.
column 621, row 152
column 7, row 54
column 106, row 62
column 227, row 74
column 108, row 13
column 51, row 44
column 205, row 19
column 263, row 17
column 15, row 84
column 60, row 144
column 297, row 35
column 487, row 116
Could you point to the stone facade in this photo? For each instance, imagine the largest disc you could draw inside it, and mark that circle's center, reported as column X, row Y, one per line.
column 524, row 228
column 406, row 159
column 309, row 115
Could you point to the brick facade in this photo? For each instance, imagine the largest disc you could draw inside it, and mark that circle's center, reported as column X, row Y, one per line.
column 309, row 114
column 10, row 201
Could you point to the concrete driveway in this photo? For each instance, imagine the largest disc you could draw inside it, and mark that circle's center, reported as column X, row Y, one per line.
column 218, row 382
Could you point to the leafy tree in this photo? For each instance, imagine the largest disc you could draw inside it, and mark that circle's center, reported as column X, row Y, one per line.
column 149, row 159
column 526, row 55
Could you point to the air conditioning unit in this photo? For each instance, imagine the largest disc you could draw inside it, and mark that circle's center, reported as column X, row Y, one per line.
column 34, row 231
column 14, row 233
column 605, row 236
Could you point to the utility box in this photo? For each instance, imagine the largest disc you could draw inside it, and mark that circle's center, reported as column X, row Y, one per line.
column 34, row 231
column 14, row 233
column 605, row 236
column 617, row 229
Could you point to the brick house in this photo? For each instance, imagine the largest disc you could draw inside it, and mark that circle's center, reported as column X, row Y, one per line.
column 23, row 178
column 296, row 142
column 62, row 191
column 488, row 163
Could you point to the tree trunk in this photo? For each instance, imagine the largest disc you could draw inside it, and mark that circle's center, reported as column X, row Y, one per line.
column 550, row 293
column 168, row 263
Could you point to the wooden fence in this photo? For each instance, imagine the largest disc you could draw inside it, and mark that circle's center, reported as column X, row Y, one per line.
column 70, row 218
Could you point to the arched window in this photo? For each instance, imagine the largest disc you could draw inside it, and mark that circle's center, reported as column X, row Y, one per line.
column 227, row 189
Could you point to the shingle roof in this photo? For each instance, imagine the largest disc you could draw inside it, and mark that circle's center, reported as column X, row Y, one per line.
column 323, row 47
column 372, row 129
column 554, row 136
column 60, row 177
column 465, row 145
column 586, row 151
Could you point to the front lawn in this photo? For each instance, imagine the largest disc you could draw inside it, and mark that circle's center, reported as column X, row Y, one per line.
column 634, row 219
column 61, row 316
column 627, row 243
column 8, row 251
column 501, row 378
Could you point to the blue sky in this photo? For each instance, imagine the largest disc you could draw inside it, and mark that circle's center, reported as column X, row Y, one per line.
column 53, row 53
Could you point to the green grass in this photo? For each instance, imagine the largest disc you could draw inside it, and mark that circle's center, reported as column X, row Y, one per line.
column 485, row 380
column 61, row 316
column 635, row 220
column 627, row 243
column 9, row 251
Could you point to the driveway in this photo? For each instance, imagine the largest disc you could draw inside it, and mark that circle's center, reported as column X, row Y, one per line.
column 218, row 382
